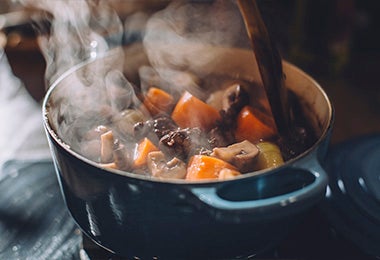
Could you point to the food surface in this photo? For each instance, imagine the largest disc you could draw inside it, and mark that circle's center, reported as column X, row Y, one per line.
column 178, row 135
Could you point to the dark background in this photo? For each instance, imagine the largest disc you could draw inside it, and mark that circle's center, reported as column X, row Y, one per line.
column 336, row 42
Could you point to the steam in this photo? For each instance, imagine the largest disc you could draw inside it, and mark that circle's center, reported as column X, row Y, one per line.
column 76, row 32
column 79, row 30
column 180, row 36
column 178, row 45
column 188, row 35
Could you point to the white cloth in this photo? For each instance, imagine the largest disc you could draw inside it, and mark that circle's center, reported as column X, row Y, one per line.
column 22, row 136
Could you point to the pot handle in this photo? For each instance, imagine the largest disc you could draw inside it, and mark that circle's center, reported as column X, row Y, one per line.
column 211, row 197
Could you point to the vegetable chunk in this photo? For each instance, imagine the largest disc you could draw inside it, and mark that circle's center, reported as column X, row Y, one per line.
column 270, row 156
column 252, row 128
column 142, row 151
column 158, row 101
column 203, row 167
column 193, row 112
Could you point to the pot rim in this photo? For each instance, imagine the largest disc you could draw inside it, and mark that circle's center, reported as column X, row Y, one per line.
column 49, row 130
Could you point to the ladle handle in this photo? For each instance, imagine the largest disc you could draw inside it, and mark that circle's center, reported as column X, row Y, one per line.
column 303, row 196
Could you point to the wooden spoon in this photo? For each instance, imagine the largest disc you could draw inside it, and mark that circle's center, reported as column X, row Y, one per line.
column 270, row 65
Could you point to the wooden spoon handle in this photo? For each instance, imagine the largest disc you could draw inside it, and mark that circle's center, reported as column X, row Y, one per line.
column 269, row 63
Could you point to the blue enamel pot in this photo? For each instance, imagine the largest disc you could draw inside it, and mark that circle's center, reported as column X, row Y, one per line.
column 136, row 216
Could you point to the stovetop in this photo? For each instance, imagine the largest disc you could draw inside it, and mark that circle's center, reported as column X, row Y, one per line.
column 35, row 223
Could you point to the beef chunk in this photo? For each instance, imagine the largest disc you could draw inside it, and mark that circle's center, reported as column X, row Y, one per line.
column 154, row 128
column 183, row 143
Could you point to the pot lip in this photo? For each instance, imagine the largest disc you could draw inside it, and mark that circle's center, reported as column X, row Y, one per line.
column 49, row 130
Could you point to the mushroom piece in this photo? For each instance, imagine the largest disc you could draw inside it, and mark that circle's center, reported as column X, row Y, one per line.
column 123, row 158
column 161, row 168
column 242, row 155
column 90, row 144
column 232, row 100
column 111, row 165
column 106, row 147
column 95, row 133
column 126, row 120
column 215, row 99
column 235, row 97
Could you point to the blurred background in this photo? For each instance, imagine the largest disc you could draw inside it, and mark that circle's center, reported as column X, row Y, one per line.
column 335, row 41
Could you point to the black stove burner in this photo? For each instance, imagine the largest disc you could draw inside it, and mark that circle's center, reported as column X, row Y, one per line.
column 313, row 239
column 352, row 203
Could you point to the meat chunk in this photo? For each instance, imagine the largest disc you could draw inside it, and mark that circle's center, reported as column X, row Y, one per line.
column 221, row 136
column 155, row 128
column 182, row 143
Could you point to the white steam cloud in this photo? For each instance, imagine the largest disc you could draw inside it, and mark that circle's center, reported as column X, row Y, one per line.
column 176, row 46
column 186, row 35
column 79, row 30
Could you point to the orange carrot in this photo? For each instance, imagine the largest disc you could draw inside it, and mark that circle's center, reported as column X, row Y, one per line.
column 142, row 150
column 251, row 127
column 226, row 174
column 193, row 112
column 157, row 100
column 206, row 167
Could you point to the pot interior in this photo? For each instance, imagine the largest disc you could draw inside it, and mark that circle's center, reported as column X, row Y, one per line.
column 73, row 91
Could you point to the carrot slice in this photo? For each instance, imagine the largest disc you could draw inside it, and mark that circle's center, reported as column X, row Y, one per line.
column 206, row 167
column 157, row 100
column 226, row 174
column 193, row 112
column 142, row 150
column 252, row 128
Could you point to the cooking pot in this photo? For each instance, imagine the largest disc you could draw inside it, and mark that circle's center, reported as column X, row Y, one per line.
column 136, row 216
